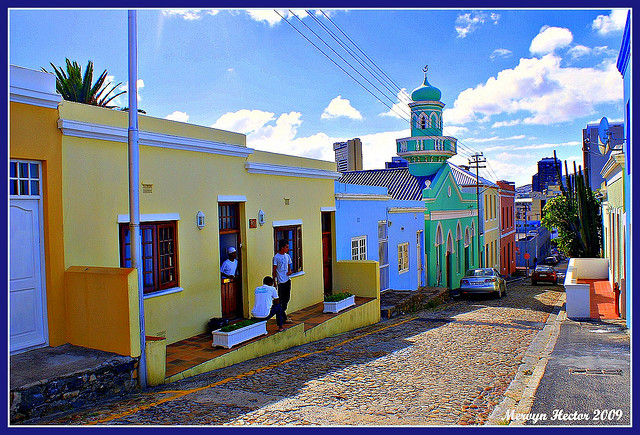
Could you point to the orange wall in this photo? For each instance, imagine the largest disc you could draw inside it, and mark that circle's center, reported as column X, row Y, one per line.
column 102, row 308
column 34, row 135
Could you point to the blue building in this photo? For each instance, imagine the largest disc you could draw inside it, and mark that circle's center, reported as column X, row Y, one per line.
column 372, row 225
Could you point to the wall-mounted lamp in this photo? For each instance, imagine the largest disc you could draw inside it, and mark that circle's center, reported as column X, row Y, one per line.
column 200, row 220
column 389, row 223
column 261, row 217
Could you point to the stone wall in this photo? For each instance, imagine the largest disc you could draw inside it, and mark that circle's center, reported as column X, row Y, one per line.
column 111, row 379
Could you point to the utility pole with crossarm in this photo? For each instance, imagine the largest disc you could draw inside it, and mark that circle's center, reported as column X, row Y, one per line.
column 474, row 162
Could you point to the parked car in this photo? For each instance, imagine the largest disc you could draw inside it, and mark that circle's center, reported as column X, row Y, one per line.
column 544, row 273
column 550, row 261
column 483, row 280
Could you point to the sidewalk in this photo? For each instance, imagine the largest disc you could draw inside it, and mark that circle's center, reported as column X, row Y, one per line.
column 574, row 373
column 587, row 379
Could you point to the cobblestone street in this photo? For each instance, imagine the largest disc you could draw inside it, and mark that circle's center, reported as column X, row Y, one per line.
column 446, row 366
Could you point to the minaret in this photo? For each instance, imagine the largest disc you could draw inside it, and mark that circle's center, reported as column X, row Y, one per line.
column 426, row 150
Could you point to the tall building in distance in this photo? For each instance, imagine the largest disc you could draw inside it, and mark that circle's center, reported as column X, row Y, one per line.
column 591, row 157
column 548, row 170
column 348, row 155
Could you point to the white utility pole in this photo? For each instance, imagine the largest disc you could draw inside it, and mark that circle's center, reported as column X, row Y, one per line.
column 134, row 189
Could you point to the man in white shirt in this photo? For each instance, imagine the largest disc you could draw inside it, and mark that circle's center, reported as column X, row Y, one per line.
column 267, row 303
column 282, row 268
column 230, row 265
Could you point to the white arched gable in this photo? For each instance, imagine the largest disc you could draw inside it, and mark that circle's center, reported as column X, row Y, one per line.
column 439, row 237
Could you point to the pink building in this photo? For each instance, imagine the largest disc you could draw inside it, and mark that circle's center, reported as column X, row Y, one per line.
column 507, row 194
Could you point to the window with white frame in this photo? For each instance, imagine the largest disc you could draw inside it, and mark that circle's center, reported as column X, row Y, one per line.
column 24, row 178
column 403, row 257
column 359, row 248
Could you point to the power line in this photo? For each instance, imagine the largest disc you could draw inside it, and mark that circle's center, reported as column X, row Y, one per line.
column 342, row 58
column 352, row 53
column 359, row 49
column 336, row 64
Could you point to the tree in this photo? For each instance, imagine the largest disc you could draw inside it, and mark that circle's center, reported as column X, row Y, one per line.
column 74, row 86
column 576, row 214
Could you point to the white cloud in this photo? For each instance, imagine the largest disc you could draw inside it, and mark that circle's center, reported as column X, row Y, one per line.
column 494, row 138
column 340, row 107
column 455, row 131
column 230, row 70
column 267, row 15
column 540, row 87
column 532, row 147
column 549, row 39
column 243, row 121
column 578, row 51
column 178, row 116
column 378, row 148
column 500, row 52
column 123, row 100
column 272, row 17
column 614, row 22
column 506, row 123
column 400, row 109
column 188, row 14
column 469, row 22
column 280, row 137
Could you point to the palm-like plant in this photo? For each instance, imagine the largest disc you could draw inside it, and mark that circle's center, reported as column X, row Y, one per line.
column 74, row 86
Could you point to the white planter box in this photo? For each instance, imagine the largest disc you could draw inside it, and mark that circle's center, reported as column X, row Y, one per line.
column 334, row 307
column 229, row 339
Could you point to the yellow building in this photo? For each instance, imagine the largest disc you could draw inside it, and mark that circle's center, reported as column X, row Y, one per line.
column 202, row 190
column 36, row 246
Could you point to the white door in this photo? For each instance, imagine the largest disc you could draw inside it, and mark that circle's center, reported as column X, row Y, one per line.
column 26, row 306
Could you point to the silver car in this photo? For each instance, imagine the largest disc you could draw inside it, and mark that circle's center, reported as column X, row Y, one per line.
column 483, row 280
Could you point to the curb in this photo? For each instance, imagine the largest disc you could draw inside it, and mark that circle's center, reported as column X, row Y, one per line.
column 518, row 398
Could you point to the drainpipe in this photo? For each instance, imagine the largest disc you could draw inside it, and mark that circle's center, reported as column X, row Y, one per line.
column 134, row 189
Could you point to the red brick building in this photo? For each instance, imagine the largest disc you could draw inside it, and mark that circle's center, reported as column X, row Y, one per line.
column 507, row 194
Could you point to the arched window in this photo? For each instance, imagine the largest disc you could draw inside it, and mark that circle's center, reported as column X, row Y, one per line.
column 449, row 243
column 458, row 231
column 467, row 237
column 434, row 122
column 439, row 237
column 423, row 121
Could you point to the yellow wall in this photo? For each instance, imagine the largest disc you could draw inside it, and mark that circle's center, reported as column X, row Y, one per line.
column 102, row 309
column 34, row 136
column 95, row 188
column 361, row 278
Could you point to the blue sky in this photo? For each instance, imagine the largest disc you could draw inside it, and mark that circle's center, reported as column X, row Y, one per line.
column 517, row 84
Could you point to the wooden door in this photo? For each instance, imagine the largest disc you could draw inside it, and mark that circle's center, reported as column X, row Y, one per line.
column 326, row 254
column 230, row 288
column 448, row 264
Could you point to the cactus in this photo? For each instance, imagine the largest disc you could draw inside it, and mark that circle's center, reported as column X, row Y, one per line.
column 583, row 220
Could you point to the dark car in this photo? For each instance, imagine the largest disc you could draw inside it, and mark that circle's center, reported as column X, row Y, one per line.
column 483, row 280
column 544, row 273
column 550, row 261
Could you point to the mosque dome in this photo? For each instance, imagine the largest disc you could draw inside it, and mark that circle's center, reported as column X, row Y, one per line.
column 426, row 92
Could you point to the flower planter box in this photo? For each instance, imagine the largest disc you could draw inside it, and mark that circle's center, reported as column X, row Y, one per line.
column 229, row 339
column 334, row 307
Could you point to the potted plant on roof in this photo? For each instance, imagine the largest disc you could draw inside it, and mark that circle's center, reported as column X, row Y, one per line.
column 338, row 302
column 239, row 332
